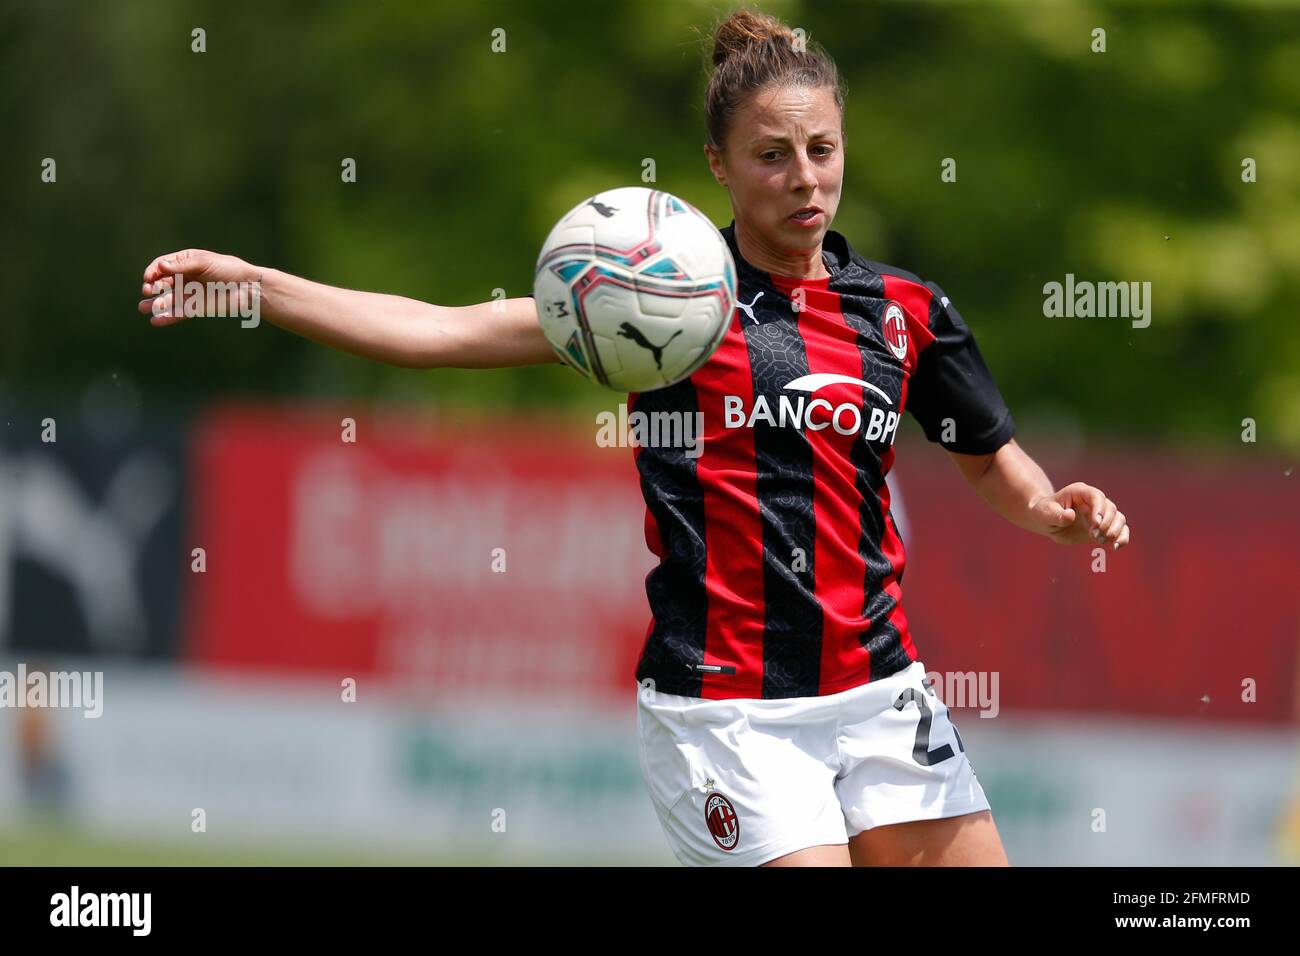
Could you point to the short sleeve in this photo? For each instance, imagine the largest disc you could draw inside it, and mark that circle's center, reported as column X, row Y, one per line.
column 951, row 393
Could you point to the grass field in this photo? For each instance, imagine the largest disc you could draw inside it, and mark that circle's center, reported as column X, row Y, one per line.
column 48, row 846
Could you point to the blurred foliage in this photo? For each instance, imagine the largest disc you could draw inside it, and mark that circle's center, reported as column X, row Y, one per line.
column 1123, row 165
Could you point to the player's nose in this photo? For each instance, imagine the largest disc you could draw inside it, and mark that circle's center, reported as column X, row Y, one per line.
column 802, row 173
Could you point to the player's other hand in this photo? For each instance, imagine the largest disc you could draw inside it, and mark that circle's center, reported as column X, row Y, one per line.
column 194, row 265
column 1080, row 512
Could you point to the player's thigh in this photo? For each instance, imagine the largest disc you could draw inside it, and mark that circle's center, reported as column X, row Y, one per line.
column 826, row 855
column 971, row 839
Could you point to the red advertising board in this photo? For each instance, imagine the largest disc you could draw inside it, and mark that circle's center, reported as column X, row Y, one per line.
column 470, row 557
column 457, row 558
column 1199, row 617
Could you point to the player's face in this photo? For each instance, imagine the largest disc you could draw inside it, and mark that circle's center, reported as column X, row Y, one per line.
column 784, row 151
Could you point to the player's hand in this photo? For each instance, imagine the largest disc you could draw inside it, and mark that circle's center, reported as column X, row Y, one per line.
column 194, row 265
column 1080, row 512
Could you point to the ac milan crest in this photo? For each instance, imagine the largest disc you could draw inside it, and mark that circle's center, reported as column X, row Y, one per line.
column 895, row 329
column 720, row 817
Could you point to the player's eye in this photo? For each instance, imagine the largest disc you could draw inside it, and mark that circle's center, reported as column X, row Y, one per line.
column 770, row 155
column 825, row 149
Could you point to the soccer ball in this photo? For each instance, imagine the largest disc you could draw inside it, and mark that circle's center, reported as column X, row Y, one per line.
column 635, row 288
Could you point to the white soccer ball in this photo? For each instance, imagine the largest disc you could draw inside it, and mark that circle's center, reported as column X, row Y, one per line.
column 635, row 288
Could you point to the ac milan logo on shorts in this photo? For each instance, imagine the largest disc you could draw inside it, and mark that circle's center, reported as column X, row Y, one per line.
column 720, row 817
column 895, row 328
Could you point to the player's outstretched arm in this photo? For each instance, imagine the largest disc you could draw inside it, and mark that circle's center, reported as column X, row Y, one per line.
column 387, row 328
column 1019, row 490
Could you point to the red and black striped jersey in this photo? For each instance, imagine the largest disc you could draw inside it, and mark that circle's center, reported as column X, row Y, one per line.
column 780, row 566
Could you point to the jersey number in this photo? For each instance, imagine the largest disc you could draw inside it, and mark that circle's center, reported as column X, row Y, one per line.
column 921, row 751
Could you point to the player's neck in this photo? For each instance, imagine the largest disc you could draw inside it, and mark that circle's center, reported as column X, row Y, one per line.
column 807, row 265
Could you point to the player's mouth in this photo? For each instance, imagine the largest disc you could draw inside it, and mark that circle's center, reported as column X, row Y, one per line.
column 808, row 216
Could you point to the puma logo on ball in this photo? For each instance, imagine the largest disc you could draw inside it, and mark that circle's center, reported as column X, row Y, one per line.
column 629, row 331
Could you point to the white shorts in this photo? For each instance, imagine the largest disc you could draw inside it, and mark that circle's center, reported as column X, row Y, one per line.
column 740, row 782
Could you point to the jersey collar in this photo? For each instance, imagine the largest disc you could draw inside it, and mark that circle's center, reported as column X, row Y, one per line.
column 842, row 261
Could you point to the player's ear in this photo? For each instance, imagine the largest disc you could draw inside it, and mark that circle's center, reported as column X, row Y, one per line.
column 715, row 164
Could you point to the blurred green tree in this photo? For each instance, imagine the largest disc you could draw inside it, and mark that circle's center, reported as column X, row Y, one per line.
column 1123, row 165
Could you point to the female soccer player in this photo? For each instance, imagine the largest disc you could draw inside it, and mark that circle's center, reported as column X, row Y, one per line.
column 783, row 712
